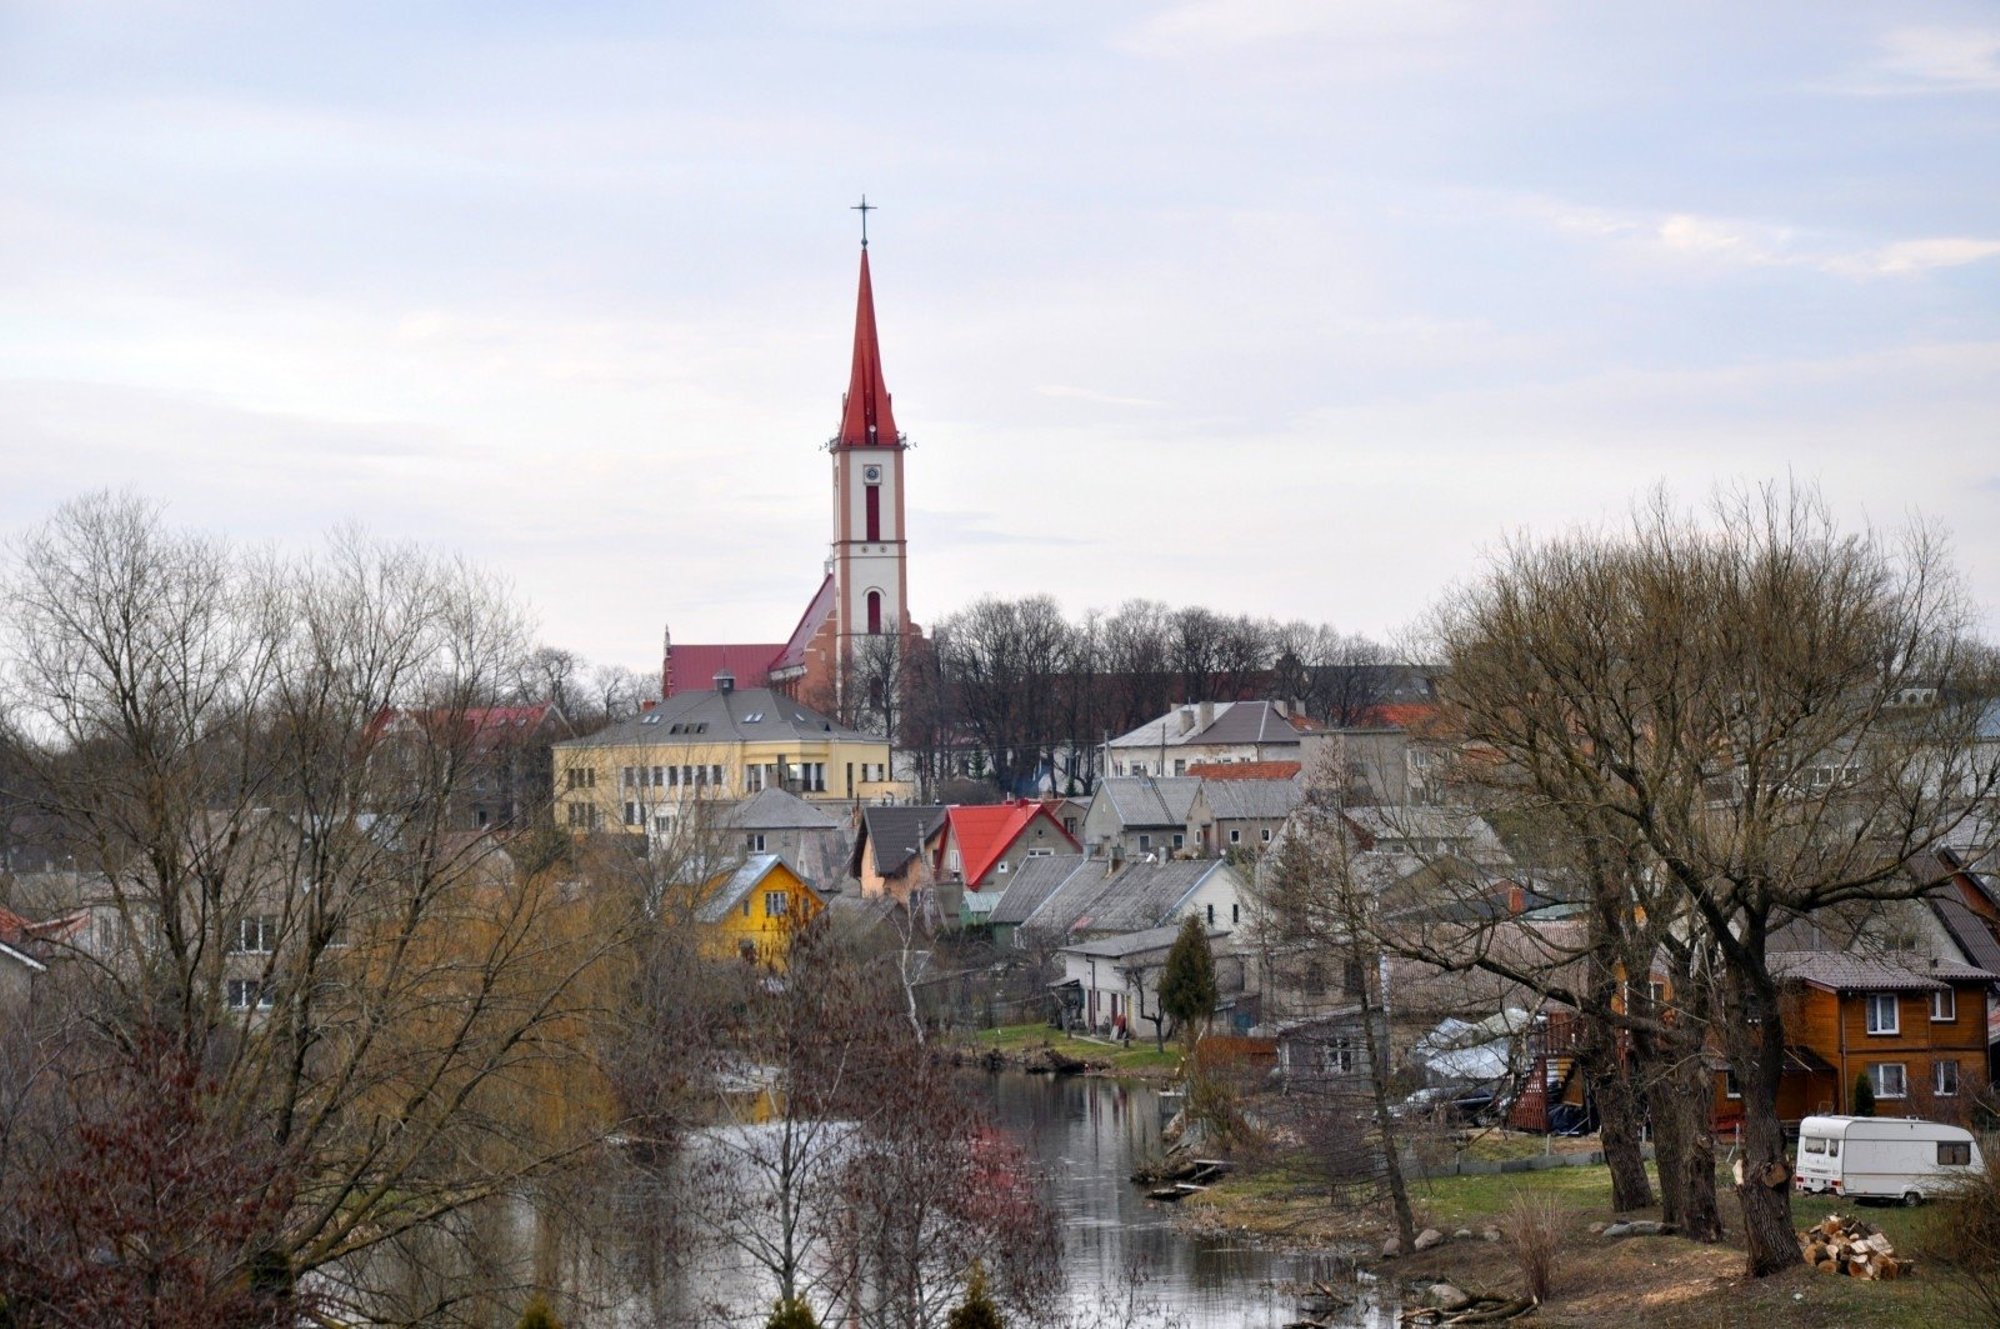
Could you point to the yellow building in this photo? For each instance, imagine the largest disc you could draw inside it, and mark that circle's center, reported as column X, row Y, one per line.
column 752, row 912
column 637, row 776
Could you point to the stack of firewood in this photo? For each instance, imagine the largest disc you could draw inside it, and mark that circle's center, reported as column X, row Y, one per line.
column 1851, row 1247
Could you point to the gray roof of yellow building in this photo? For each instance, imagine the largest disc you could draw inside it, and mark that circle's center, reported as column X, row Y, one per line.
column 704, row 719
column 775, row 810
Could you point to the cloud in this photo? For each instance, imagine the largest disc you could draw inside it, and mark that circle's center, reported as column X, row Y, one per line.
column 1738, row 242
column 1935, row 60
column 1921, row 255
column 1102, row 398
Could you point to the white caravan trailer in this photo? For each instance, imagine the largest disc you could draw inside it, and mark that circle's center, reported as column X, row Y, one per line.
column 1883, row 1158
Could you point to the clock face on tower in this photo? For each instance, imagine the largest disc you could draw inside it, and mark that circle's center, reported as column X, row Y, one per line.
column 872, row 474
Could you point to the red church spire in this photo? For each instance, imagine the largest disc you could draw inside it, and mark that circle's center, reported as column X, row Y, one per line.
column 864, row 416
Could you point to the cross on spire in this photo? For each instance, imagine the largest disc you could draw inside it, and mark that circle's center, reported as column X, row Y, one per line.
column 864, row 207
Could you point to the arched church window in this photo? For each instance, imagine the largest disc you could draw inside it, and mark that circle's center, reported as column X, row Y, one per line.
column 874, row 609
column 874, row 493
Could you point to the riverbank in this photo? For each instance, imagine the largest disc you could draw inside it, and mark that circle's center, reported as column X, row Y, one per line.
column 1037, row 1047
column 1602, row 1283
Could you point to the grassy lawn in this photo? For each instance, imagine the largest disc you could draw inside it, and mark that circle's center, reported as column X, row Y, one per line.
column 1025, row 1039
column 1603, row 1284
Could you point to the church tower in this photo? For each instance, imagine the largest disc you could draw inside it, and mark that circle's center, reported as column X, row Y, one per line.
column 869, row 568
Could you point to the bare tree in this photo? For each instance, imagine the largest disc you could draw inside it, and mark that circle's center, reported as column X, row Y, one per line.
column 1778, row 714
column 281, row 898
column 1320, row 892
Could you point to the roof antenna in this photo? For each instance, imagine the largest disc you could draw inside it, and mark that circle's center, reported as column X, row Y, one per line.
column 864, row 207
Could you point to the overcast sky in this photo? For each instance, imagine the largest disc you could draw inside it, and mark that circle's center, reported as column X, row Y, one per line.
column 1287, row 306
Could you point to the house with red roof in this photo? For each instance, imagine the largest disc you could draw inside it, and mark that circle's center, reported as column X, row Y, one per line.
column 982, row 844
column 863, row 595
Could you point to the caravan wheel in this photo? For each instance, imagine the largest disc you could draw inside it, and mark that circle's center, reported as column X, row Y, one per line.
column 1911, row 1199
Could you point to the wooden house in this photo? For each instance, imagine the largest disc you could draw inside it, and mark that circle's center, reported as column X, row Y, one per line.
column 1914, row 1025
column 753, row 912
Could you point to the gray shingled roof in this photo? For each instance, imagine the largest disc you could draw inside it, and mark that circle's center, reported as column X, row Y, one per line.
column 1968, row 931
column 739, row 884
column 1033, row 882
column 1844, row 972
column 1128, row 944
column 1145, row 895
column 698, row 719
column 1234, row 722
column 896, row 833
column 1145, row 800
column 1232, row 800
column 775, row 810
column 1138, row 896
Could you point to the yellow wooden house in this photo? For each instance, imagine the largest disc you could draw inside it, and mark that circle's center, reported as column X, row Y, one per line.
column 753, row 912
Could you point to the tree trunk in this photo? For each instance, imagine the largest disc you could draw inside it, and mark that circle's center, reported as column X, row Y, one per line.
column 1677, row 1090
column 1670, row 1147
column 1765, row 1184
column 1385, row 1122
column 1611, row 1085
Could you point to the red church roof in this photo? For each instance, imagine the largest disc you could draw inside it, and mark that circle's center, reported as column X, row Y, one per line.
column 983, row 833
column 864, row 416
column 693, row 668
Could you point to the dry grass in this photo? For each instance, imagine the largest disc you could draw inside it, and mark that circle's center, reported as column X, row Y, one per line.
column 1534, row 1228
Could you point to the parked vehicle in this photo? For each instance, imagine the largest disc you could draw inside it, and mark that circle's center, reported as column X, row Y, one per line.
column 1883, row 1158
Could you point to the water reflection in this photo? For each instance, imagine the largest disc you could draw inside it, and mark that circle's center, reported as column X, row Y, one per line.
column 1088, row 1134
column 630, row 1246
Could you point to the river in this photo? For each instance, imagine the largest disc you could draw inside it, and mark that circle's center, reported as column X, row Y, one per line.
column 633, row 1256
column 1087, row 1134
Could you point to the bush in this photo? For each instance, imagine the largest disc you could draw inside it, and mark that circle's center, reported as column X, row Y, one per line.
column 537, row 1315
column 1864, row 1095
column 791, row 1315
column 1961, row 1234
column 1533, row 1227
column 977, row 1310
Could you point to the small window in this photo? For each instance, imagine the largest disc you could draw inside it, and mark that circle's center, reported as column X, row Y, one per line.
column 775, row 904
column 1180, row 839
column 1145, row 842
column 1944, row 1079
column 1001, row 867
column 1236, row 913
column 1832, row 1148
column 1211, row 915
column 1889, row 1080
column 633, row 816
column 245, row 993
column 1944, row 1007
column 1812, row 1144
column 1236, row 837
column 1731, row 1087
column 1954, row 1153
column 1265, row 835
column 1882, row 1014
column 755, row 843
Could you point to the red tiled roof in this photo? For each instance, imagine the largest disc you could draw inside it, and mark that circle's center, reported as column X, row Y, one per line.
column 12, row 926
column 792, row 655
column 1245, row 770
column 983, row 834
column 693, row 668
column 1404, row 714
